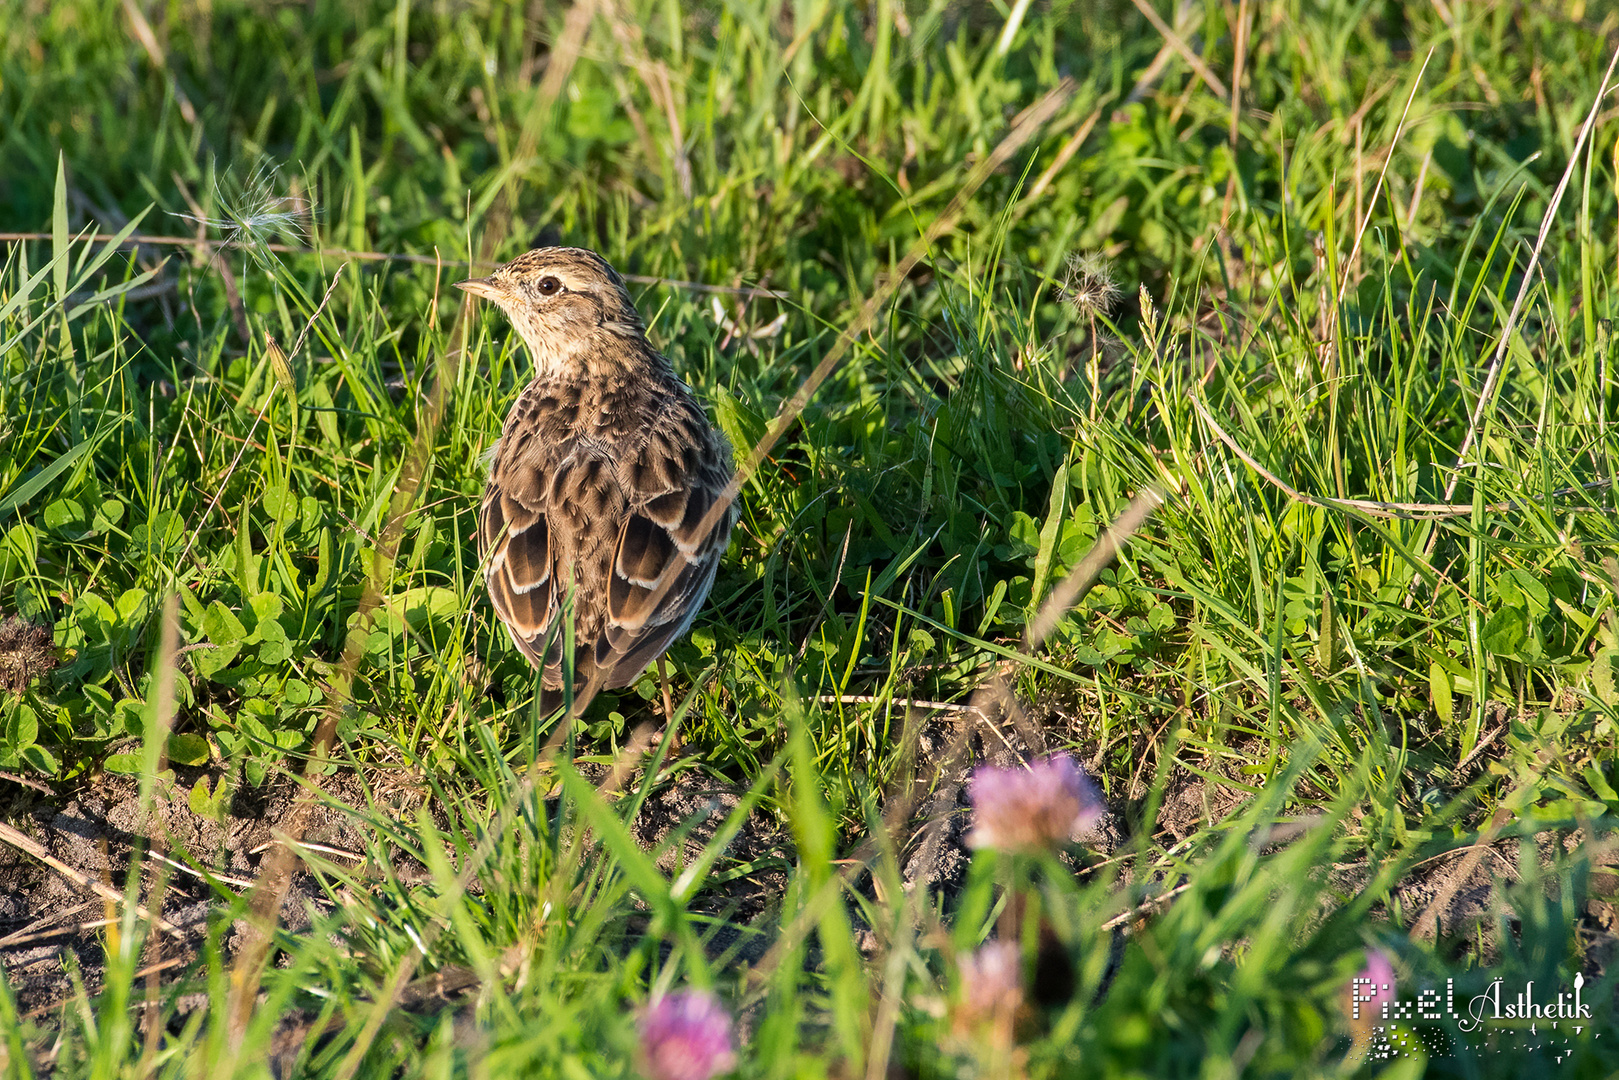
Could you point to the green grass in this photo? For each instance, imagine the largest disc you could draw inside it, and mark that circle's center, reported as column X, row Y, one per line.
column 1327, row 293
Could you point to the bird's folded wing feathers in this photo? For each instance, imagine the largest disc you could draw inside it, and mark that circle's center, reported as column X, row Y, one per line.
column 665, row 560
column 515, row 535
column 662, row 561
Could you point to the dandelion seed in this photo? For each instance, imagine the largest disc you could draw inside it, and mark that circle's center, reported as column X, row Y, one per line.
column 1090, row 287
column 252, row 212
column 1031, row 808
column 1092, row 292
column 686, row 1036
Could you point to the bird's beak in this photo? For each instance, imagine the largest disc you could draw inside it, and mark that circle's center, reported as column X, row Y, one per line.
column 484, row 287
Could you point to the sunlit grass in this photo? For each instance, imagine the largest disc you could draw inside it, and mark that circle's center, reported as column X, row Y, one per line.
column 1280, row 317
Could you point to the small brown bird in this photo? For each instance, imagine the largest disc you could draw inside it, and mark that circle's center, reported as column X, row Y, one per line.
column 603, row 481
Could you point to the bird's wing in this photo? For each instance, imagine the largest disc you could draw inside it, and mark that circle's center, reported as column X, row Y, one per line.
column 514, row 535
column 665, row 560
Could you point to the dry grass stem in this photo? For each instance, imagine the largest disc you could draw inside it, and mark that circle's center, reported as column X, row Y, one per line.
column 747, row 292
column 1187, row 53
column 1373, row 508
column 27, row 844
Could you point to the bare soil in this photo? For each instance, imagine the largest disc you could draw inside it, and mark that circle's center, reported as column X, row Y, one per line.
column 50, row 923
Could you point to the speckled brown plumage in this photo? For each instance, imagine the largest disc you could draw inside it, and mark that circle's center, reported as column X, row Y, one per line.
column 604, row 472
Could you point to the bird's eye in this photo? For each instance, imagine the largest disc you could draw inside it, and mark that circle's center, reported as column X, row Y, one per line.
column 549, row 286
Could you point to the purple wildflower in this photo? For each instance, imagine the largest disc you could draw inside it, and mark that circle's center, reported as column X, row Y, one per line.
column 686, row 1035
column 1373, row 987
column 990, row 1006
column 1031, row 808
column 992, row 980
column 1370, row 992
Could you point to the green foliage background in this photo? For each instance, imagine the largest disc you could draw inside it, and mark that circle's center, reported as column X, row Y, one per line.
column 1323, row 269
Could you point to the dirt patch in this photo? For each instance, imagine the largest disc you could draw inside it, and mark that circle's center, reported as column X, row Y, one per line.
column 49, row 923
column 744, row 893
column 26, row 653
column 52, row 923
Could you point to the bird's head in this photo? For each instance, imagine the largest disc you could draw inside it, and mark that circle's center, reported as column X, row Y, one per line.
column 560, row 300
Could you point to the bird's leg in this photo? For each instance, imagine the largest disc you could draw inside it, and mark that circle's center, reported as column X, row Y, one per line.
column 668, row 699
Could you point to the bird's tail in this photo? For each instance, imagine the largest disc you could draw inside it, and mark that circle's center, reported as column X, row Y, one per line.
column 551, row 700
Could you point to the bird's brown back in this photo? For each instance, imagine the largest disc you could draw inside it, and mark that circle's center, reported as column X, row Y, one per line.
column 597, row 490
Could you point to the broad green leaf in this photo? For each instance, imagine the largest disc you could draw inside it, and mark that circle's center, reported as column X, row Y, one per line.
column 209, row 662
column 1439, row 693
column 222, row 626
column 199, row 799
column 24, row 727
column 62, row 514
column 325, row 416
column 41, row 759
column 267, row 607
column 188, row 749
column 1522, row 589
column 132, row 604
column 281, row 504
column 742, row 426
column 1605, row 676
column 417, row 606
column 1506, row 632
column 1328, row 649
